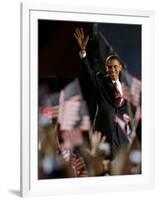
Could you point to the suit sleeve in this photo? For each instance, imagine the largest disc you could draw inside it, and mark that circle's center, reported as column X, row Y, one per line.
column 87, row 71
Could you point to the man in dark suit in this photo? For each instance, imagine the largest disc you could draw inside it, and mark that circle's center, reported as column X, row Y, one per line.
column 108, row 92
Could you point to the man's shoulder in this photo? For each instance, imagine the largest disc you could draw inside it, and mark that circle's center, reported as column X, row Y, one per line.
column 100, row 74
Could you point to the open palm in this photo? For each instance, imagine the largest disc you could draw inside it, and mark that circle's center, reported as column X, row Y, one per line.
column 81, row 40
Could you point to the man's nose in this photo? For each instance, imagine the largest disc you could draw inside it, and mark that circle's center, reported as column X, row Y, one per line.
column 113, row 69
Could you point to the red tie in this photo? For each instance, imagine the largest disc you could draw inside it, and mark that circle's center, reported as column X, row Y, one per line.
column 118, row 97
column 78, row 165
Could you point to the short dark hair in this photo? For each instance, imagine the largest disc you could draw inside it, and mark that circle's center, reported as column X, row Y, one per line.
column 111, row 57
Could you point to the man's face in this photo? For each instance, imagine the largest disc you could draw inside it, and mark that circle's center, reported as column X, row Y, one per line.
column 113, row 68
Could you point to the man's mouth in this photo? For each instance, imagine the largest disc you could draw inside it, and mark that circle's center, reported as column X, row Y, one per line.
column 112, row 74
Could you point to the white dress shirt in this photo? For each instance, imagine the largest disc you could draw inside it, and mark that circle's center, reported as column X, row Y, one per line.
column 118, row 86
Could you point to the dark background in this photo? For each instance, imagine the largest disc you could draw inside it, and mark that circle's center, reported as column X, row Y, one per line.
column 58, row 52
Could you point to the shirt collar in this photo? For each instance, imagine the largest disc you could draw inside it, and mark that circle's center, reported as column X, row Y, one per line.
column 118, row 82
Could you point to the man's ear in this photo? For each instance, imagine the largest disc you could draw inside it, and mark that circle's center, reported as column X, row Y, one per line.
column 120, row 67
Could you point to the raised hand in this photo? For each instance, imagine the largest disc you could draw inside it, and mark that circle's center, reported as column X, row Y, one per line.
column 96, row 140
column 81, row 40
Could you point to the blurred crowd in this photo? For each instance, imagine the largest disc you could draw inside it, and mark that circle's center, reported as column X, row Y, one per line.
column 67, row 145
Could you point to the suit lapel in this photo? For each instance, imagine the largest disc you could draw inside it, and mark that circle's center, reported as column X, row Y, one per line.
column 110, row 89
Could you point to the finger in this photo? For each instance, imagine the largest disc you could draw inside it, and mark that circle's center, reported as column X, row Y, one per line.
column 106, row 164
column 94, row 137
column 78, row 32
column 82, row 32
column 103, row 139
column 95, row 134
column 98, row 136
column 75, row 36
column 78, row 40
column 86, row 41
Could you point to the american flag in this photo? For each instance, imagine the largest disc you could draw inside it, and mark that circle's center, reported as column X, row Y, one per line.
column 131, row 89
column 78, row 165
column 126, row 92
column 77, row 162
column 120, row 122
column 69, row 115
column 61, row 106
column 124, row 124
column 66, row 154
column 71, row 138
column 85, row 123
column 72, row 109
column 135, row 91
column 68, row 106
column 50, row 106
column 50, row 111
column 138, row 113
column 132, row 93
column 74, row 114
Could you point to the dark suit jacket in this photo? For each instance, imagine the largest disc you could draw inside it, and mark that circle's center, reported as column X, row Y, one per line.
column 104, row 120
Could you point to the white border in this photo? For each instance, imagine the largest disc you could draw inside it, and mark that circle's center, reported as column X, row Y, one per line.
column 30, row 186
